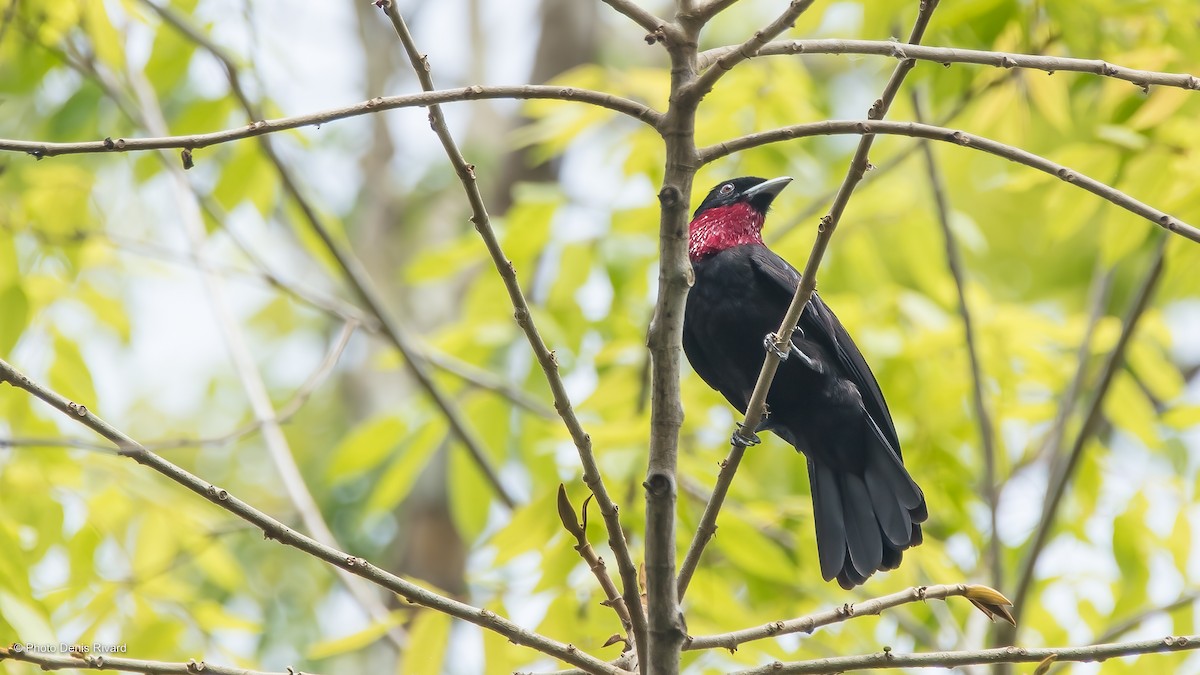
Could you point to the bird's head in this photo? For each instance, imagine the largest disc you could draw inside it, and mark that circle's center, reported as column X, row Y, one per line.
column 732, row 214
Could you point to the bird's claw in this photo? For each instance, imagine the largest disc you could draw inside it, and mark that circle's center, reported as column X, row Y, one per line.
column 783, row 354
column 771, row 347
column 740, row 437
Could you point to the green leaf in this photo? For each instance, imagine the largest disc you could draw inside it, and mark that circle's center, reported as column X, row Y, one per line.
column 398, row 479
column 69, row 374
column 28, row 619
column 14, row 317
column 431, row 634
column 361, row 639
column 1127, row 406
column 366, row 447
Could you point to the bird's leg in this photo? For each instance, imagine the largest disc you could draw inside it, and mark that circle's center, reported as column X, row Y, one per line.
column 740, row 437
column 783, row 354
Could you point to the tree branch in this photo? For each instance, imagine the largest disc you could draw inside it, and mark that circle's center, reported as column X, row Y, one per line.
column 964, row 139
column 747, row 50
column 808, row 624
column 78, row 661
column 707, row 11
column 549, row 364
column 641, row 17
column 576, row 526
column 948, row 55
column 41, row 149
column 758, row 399
column 889, row 660
column 1112, row 363
column 273, row 529
column 987, row 433
column 665, row 341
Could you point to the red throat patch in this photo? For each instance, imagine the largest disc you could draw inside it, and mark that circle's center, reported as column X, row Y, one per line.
column 723, row 227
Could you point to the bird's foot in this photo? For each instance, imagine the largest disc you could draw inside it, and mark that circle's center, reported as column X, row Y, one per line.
column 783, row 354
column 772, row 348
column 743, row 438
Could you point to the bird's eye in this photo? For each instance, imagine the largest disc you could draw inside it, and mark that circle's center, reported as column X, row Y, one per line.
column 726, row 188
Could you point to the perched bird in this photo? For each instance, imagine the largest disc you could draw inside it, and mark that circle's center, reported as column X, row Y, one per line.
column 824, row 400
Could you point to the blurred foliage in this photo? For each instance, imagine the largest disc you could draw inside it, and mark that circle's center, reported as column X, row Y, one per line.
column 98, row 298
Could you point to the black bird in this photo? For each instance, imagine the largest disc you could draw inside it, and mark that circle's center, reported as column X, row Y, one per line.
column 824, row 400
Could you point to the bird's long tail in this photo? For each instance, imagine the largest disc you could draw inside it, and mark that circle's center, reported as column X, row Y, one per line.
column 865, row 520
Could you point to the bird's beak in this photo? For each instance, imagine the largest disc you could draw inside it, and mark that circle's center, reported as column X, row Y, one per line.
column 767, row 189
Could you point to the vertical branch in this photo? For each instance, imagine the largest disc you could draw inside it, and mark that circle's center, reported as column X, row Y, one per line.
column 666, row 631
column 524, row 318
column 808, row 284
column 987, row 432
column 1091, row 423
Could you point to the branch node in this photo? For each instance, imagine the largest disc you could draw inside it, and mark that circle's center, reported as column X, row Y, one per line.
column 670, row 196
column 108, row 143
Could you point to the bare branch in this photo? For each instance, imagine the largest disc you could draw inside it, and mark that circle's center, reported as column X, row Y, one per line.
column 562, row 403
column 747, row 50
column 708, row 520
column 81, row 661
column 665, row 341
column 1132, row 622
column 964, row 139
column 808, row 624
column 758, row 399
column 576, row 526
column 488, row 381
column 40, row 149
column 987, row 433
column 641, row 17
column 273, row 529
column 889, row 659
column 1091, row 421
column 948, row 55
column 706, row 12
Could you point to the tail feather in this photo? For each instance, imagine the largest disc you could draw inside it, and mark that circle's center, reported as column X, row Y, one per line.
column 862, row 527
column 895, row 522
column 827, row 515
column 865, row 520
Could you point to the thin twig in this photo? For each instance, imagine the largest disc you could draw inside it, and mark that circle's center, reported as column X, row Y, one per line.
column 964, row 139
column 273, row 529
column 488, row 381
column 576, row 525
column 1139, row 618
column 811, row 622
column 710, row 9
column 948, row 55
column 640, row 16
column 887, row 660
column 93, row 661
column 987, row 433
column 758, row 399
column 964, row 100
column 748, row 49
column 40, row 149
column 524, row 318
column 1091, row 421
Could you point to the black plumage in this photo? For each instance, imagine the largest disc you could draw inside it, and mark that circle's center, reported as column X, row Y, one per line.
column 824, row 400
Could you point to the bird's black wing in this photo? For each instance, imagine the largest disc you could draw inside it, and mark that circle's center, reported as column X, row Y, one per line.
column 821, row 326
